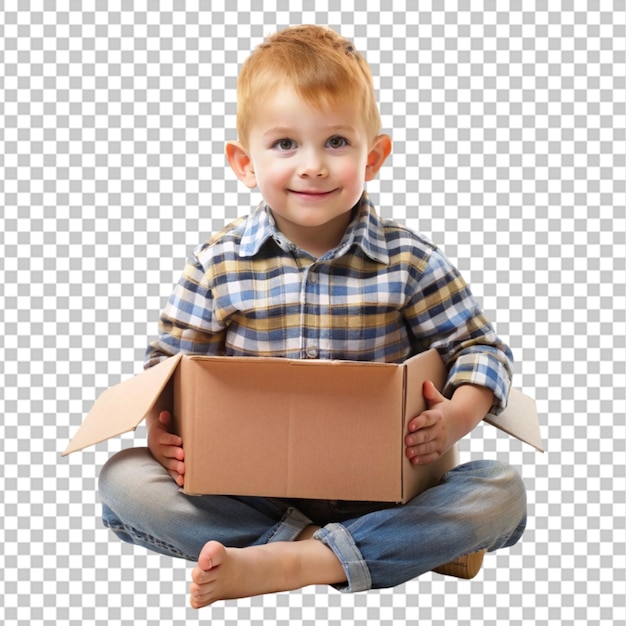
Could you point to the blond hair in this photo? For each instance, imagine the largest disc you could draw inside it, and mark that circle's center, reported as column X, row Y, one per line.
column 322, row 66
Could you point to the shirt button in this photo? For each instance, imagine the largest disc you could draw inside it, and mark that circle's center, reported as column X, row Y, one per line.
column 312, row 352
column 313, row 278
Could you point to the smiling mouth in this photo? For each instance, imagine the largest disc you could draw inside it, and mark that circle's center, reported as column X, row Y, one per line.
column 312, row 193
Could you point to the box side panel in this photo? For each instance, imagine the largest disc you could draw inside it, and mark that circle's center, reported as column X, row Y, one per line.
column 425, row 366
column 178, row 404
column 184, row 423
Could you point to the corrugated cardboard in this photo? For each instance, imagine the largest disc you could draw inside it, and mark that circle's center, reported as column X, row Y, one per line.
column 292, row 428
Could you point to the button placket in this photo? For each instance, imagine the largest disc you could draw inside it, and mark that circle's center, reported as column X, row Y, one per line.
column 310, row 330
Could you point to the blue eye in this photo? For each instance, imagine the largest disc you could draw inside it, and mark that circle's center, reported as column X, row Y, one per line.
column 336, row 141
column 285, row 144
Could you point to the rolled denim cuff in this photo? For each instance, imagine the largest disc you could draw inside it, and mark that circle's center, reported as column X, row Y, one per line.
column 340, row 541
column 292, row 524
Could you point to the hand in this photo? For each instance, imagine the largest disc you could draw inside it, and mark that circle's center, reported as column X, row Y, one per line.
column 429, row 434
column 436, row 430
column 166, row 447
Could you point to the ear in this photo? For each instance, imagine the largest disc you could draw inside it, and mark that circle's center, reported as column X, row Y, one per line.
column 379, row 151
column 239, row 159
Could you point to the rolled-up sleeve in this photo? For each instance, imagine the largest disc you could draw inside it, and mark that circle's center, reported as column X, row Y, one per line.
column 443, row 314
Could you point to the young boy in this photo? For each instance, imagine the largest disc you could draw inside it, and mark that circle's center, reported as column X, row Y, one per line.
column 313, row 272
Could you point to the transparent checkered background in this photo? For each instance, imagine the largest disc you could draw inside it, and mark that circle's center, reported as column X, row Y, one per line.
column 510, row 152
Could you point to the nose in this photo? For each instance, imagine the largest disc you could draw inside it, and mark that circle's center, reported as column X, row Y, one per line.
column 313, row 165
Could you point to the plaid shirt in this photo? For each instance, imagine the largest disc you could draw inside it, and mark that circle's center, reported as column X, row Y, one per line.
column 384, row 294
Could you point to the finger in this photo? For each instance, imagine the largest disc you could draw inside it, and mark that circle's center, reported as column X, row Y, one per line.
column 173, row 453
column 169, row 439
column 171, row 463
column 424, row 449
column 177, row 478
column 425, row 459
column 420, row 436
column 424, row 420
column 431, row 394
column 178, row 453
column 165, row 417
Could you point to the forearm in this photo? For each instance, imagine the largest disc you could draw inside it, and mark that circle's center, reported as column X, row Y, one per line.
column 473, row 403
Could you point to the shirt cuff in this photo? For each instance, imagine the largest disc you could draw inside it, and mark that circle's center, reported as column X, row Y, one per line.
column 482, row 369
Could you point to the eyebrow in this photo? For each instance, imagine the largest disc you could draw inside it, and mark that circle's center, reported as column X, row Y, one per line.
column 277, row 130
column 284, row 130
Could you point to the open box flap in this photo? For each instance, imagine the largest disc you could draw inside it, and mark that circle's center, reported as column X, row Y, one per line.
column 121, row 408
column 519, row 419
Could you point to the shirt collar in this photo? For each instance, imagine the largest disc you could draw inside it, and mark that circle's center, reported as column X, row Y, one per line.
column 365, row 231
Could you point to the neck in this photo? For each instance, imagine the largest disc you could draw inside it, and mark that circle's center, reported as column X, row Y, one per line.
column 316, row 240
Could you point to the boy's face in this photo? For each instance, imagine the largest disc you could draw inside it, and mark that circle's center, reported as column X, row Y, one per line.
column 310, row 166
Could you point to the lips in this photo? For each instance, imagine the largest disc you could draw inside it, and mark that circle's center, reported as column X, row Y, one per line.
column 312, row 193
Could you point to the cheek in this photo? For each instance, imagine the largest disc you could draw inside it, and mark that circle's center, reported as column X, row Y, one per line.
column 273, row 173
column 351, row 172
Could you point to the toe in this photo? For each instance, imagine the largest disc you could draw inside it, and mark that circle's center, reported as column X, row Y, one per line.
column 211, row 555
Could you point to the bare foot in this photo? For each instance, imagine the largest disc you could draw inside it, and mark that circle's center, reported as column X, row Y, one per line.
column 228, row 573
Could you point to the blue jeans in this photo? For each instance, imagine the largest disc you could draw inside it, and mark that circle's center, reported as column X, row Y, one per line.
column 477, row 505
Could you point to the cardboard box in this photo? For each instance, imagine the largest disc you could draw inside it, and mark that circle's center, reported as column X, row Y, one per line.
column 292, row 428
